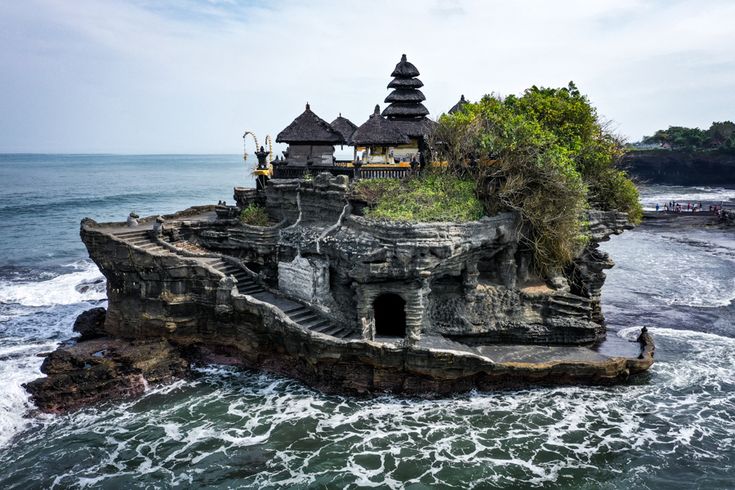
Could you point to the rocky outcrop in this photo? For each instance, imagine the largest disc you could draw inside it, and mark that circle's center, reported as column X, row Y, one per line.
column 586, row 274
column 91, row 324
column 93, row 371
column 676, row 167
column 342, row 302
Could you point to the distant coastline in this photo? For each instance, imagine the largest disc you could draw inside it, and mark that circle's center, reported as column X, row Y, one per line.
column 681, row 167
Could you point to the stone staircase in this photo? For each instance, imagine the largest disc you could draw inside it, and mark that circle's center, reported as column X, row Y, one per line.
column 302, row 315
column 569, row 306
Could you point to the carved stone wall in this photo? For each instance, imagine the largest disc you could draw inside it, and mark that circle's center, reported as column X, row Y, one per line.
column 307, row 279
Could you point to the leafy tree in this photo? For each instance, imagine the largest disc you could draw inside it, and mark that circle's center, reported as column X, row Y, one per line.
column 720, row 133
column 544, row 154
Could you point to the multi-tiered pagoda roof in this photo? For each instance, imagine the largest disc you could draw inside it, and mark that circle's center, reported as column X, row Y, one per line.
column 406, row 99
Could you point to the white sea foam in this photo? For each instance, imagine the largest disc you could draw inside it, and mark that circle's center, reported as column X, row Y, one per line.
column 61, row 290
column 650, row 196
column 18, row 365
column 178, row 434
column 693, row 269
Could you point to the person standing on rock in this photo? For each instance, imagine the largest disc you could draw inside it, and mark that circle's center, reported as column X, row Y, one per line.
column 132, row 220
column 158, row 226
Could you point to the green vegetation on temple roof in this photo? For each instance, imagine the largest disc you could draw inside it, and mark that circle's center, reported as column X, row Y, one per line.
column 431, row 197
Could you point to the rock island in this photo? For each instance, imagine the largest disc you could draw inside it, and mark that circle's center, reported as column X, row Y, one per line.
column 302, row 278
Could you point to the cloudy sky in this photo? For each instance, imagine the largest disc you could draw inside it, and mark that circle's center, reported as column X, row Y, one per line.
column 190, row 76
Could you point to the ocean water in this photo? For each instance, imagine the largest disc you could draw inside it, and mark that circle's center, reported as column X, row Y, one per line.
column 673, row 427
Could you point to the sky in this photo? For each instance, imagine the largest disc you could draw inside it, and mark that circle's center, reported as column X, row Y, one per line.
column 191, row 76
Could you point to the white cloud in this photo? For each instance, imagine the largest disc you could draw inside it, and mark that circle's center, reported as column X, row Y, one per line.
column 191, row 76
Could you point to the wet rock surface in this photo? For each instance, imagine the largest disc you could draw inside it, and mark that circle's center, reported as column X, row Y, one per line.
column 93, row 371
column 91, row 324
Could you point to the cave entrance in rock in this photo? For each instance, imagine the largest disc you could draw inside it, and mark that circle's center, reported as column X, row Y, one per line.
column 390, row 315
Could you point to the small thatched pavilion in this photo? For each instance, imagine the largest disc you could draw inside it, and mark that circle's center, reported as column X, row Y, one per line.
column 344, row 126
column 377, row 138
column 310, row 140
column 459, row 105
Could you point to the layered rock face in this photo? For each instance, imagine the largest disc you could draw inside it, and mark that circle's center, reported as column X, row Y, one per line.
column 342, row 302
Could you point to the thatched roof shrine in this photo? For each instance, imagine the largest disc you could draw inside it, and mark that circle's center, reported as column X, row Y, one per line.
column 378, row 131
column 414, row 128
column 310, row 129
column 458, row 106
column 344, row 126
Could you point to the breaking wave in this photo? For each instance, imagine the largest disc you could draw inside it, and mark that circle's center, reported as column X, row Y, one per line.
column 85, row 283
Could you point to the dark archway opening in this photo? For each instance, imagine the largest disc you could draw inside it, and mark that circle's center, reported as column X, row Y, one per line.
column 390, row 315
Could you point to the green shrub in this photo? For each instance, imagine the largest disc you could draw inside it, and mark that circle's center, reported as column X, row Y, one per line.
column 434, row 197
column 613, row 190
column 545, row 155
column 254, row 215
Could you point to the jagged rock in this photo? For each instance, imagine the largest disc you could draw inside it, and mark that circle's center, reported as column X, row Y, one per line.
column 93, row 371
column 91, row 324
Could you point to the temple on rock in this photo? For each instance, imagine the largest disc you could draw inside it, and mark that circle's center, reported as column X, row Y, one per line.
column 396, row 136
column 319, row 289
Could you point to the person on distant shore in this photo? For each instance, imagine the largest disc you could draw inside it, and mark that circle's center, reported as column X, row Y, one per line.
column 657, row 207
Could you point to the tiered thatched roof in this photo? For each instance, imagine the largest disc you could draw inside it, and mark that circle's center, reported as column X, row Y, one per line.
column 405, row 100
column 378, row 131
column 344, row 126
column 310, row 129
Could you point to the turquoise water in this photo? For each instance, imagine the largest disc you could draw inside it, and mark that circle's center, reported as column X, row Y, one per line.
column 671, row 428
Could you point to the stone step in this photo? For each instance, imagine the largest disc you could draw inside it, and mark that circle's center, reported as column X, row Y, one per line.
column 568, row 305
column 311, row 322
column 140, row 243
column 567, row 311
column 132, row 233
column 295, row 309
column 307, row 321
column 297, row 317
column 569, row 301
column 337, row 331
column 250, row 290
column 322, row 325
